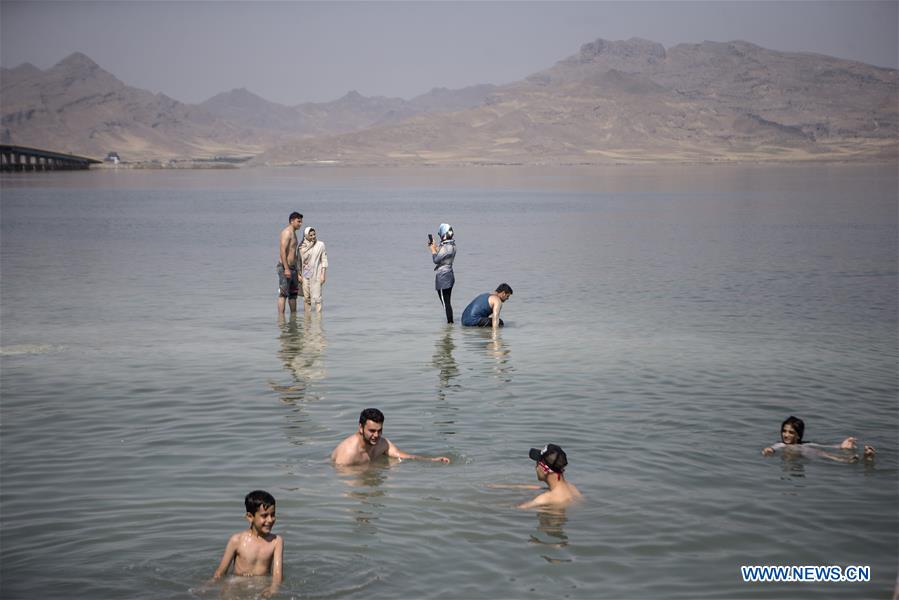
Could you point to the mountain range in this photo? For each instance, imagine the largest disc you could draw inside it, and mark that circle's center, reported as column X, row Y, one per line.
column 613, row 101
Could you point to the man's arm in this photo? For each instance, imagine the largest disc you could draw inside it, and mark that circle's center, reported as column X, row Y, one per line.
column 285, row 244
column 394, row 452
column 277, row 573
column 497, row 306
column 228, row 557
column 513, row 486
column 538, row 501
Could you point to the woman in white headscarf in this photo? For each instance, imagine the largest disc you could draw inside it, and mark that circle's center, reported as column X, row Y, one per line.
column 443, row 255
column 314, row 261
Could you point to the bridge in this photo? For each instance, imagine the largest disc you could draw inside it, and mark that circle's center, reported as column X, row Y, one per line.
column 23, row 158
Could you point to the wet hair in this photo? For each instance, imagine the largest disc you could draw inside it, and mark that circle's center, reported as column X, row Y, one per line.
column 796, row 423
column 371, row 414
column 504, row 287
column 258, row 498
column 294, row 215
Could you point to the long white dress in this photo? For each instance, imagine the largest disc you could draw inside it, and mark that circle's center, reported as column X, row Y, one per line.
column 314, row 258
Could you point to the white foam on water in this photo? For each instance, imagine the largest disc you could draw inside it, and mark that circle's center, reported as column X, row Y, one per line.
column 19, row 349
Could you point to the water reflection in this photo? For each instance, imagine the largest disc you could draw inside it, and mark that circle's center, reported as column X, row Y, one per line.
column 365, row 481
column 498, row 352
column 792, row 466
column 445, row 363
column 490, row 342
column 302, row 345
column 551, row 533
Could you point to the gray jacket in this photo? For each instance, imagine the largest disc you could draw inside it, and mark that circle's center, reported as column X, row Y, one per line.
column 446, row 254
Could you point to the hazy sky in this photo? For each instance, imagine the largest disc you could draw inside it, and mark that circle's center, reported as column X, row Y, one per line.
column 292, row 52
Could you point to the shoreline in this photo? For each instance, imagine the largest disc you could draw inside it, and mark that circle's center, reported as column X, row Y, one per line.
column 335, row 165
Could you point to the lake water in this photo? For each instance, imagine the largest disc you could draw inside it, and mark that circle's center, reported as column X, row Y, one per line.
column 665, row 320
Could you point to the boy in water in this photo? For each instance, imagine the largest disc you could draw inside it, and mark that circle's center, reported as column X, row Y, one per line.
column 256, row 551
column 791, row 431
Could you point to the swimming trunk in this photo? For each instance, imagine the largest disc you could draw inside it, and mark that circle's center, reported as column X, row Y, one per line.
column 288, row 287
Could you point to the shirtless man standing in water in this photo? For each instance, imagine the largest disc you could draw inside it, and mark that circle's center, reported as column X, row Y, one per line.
column 367, row 444
column 288, row 277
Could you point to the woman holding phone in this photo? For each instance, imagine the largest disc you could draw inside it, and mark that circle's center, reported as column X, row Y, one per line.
column 443, row 255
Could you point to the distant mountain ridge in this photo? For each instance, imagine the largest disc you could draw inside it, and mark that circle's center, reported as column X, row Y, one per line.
column 635, row 101
column 612, row 101
column 351, row 112
column 75, row 106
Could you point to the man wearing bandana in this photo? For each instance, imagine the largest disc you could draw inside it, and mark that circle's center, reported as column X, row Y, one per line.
column 551, row 462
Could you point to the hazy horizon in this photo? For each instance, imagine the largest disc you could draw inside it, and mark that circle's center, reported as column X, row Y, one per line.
column 295, row 52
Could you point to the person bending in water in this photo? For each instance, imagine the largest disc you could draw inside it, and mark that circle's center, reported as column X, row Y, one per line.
column 791, row 431
column 256, row 551
column 443, row 256
column 367, row 444
column 484, row 310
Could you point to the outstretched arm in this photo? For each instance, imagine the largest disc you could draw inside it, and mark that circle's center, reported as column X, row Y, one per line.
column 394, row 452
column 228, row 557
column 770, row 449
column 850, row 443
column 842, row 459
column 513, row 486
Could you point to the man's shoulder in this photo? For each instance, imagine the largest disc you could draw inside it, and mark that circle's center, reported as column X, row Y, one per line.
column 349, row 439
column 342, row 444
column 347, row 446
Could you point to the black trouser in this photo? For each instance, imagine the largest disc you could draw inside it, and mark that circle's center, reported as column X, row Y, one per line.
column 444, row 296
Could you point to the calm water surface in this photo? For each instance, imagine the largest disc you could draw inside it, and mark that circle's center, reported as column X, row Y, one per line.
column 665, row 321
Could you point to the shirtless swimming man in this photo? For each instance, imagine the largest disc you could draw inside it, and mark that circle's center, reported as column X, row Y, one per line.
column 367, row 444
column 551, row 462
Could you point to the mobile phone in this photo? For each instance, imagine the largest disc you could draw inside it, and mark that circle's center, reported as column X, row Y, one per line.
column 430, row 239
